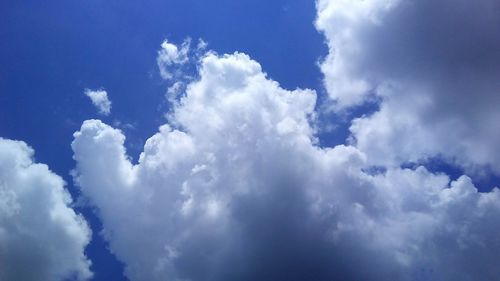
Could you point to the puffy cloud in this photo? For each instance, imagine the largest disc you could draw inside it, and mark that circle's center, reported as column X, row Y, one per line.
column 170, row 55
column 41, row 237
column 433, row 67
column 100, row 100
column 234, row 187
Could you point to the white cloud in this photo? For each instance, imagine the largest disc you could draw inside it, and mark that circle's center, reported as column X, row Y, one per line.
column 170, row 55
column 234, row 188
column 100, row 100
column 41, row 237
column 174, row 92
column 431, row 63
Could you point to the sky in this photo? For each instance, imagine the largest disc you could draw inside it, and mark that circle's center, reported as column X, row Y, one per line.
column 249, row 140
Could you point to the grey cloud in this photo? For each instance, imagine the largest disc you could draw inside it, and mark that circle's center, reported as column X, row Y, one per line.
column 435, row 67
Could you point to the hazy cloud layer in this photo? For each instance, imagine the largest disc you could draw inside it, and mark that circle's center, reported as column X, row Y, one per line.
column 100, row 100
column 41, row 237
column 234, row 187
column 433, row 64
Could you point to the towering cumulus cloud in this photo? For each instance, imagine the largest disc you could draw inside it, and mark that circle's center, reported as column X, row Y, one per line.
column 434, row 67
column 41, row 237
column 234, row 187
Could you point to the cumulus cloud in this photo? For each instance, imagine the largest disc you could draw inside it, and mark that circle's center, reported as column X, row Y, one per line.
column 100, row 100
column 41, row 237
column 434, row 67
column 177, row 65
column 235, row 187
column 170, row 55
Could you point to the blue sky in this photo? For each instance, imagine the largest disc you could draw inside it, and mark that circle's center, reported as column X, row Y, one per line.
column 55, row 50
column 386, row 89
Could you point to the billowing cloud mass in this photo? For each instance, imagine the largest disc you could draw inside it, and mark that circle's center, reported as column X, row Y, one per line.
column 434, row 67
column 235, row 187
column 41, row 237
column 100, row 100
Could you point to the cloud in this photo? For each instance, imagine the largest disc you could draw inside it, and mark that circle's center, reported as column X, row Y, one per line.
column 170, row 55
column 432, row 65
column 235, row 187
column 177, row 65
column 41, row 237
column 100, row 100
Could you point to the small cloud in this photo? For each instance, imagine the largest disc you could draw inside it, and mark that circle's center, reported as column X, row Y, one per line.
column 100, row 100
column 170, row 55
column 202, row 45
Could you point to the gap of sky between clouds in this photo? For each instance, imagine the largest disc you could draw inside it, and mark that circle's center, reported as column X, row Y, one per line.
column 124, row 65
